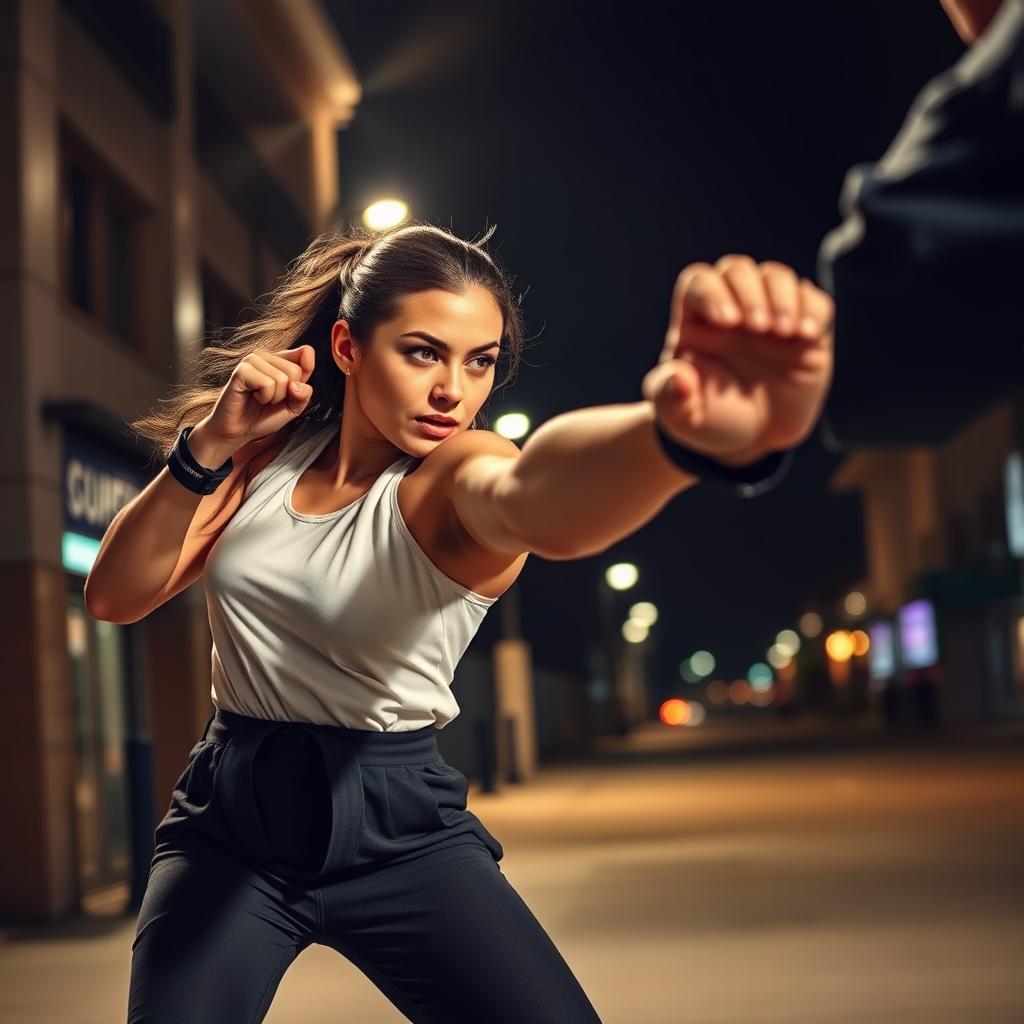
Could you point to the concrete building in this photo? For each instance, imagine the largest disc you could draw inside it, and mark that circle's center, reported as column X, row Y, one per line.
column 944, row 525
column 159, row 168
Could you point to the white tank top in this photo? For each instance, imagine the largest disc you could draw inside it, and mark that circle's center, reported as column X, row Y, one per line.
column 340, row 619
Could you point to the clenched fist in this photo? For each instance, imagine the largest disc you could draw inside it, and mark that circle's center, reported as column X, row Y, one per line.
column 749, row 348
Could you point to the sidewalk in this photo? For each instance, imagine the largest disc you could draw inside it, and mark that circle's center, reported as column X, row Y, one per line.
column 763, row 735
column 738, row 871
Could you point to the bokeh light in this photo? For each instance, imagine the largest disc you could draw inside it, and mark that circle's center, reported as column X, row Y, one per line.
column 810, row 625
column 717, row 691
column 855, row 603
column 861, row 642
column 621, row 575
column 702, row 662
column 512, row 425
column 674, row 711
column 644, row 612
column 839, row 645
column 789, row 641
column 634, row 631
column 385, row 213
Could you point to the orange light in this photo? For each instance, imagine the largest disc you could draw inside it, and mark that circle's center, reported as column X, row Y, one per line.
column 718, row 690
column 739, row 691
column 861, row 642
column 675, row 712
column 839, row 645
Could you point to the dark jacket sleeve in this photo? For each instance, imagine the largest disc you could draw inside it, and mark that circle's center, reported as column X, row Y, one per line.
column 927, row 268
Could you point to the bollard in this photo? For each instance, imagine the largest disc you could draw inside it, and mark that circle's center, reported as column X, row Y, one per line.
column 510, row 745
column 485, row 756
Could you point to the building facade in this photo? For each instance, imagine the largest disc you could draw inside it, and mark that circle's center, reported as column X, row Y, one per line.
column 160, row 167
column 944, row 534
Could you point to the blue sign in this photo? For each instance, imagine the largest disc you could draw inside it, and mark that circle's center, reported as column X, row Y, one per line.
column 96, row 485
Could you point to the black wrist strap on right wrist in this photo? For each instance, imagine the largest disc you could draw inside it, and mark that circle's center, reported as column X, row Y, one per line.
column 739, row 481
column 183, row 467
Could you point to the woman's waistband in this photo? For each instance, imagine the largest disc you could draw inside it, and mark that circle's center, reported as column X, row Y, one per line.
column 413, row 746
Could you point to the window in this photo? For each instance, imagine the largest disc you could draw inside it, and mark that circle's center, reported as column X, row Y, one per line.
column 223, row 307
column 101, row 240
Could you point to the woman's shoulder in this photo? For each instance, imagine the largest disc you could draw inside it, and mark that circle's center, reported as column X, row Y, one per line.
column 425, row 500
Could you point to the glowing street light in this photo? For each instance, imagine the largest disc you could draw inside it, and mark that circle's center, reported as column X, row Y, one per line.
column 644, row 611
column 634, row 631
column 384, row 214
column 702, row 662
column 789, row 641
column 621, row 575
column 839, row 646
column 512, row 425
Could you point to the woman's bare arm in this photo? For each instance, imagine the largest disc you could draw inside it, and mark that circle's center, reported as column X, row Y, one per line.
column 152, row 548
column 743, row 372
column 582, row 481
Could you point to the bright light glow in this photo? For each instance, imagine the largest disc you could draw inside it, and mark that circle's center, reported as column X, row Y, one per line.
column 512, row 425
column 385, row 213
column 621, row 575
column 839, row 645
column 810, row 624
column 861, row 642
column 635, row 631
column 777, row 657
column 855, row 603
column 762, row 697
column 674, row 711
column 644, row 612
column 789, row 641
column 702, row 662
column 78, row 552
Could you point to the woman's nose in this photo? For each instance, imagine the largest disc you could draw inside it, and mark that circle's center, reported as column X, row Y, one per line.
column 450, row 387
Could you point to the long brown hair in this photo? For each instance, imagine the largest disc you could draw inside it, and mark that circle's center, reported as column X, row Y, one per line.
column 361, row 277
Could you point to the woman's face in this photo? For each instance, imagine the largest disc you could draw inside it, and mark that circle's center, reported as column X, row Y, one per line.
column 403, row 375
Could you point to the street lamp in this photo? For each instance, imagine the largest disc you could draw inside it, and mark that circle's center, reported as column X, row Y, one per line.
column 384, row 214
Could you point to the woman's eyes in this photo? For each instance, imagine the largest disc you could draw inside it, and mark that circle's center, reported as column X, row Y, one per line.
column 489, row 361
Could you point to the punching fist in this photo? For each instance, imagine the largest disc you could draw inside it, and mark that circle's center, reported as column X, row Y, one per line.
column 747, row 359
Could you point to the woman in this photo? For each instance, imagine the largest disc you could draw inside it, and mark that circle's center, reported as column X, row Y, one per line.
column 349, row 551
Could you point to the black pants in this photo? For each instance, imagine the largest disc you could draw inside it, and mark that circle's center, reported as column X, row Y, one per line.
column 280, row 835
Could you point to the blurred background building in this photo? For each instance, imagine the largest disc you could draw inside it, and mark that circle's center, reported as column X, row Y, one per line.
column 163, row 160
column 159, row 169
column 944, row 537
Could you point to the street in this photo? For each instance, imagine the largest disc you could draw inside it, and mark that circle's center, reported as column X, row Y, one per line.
column 713, row 879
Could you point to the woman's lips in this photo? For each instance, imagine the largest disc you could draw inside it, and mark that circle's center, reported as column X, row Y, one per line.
column 435, row 430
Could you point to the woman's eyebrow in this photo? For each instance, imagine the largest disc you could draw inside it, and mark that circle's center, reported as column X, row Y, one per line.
column 445, row 347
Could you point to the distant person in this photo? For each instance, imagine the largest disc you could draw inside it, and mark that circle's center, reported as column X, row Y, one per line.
column 926, row 269
column 352, row 530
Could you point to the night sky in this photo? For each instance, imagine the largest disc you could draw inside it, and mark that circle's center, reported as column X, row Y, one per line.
column 612, row 144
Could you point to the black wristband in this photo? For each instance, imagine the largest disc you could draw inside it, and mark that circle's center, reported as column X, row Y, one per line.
column 183, row 467
column 739, row 481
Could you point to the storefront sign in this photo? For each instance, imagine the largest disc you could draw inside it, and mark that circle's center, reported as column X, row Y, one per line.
column 97, row 484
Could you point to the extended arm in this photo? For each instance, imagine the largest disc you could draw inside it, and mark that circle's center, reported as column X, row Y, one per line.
column 582, row 481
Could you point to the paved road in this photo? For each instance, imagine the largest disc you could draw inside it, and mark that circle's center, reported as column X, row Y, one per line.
column 706, row 880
